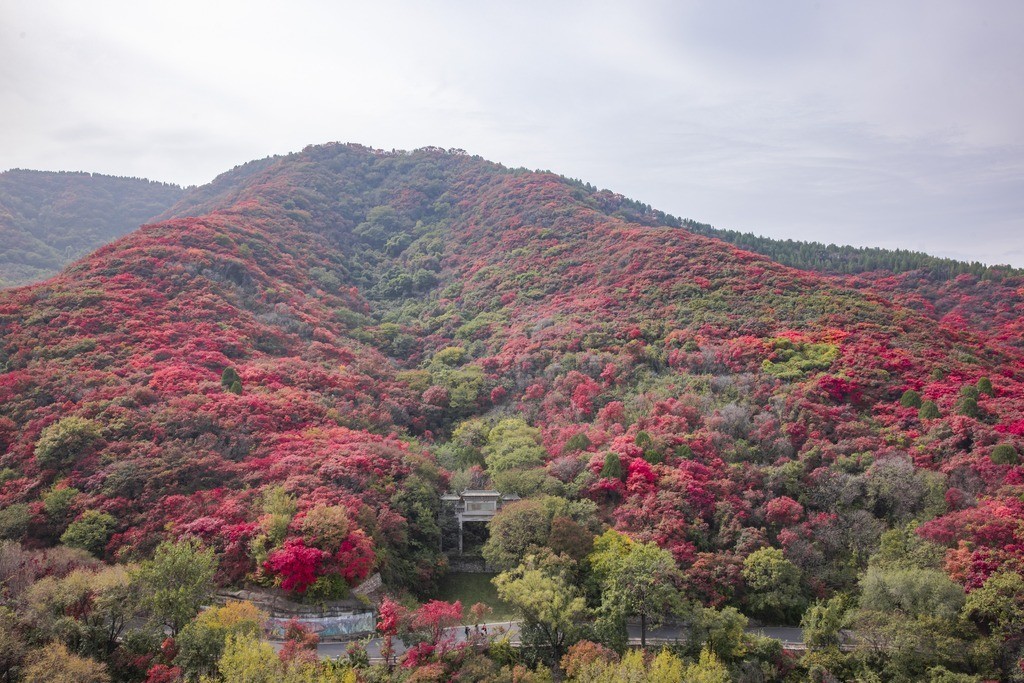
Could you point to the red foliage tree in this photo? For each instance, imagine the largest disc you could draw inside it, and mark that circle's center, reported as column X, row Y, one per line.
column 296, row 564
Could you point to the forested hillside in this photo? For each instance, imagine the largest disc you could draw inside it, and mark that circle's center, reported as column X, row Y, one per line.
column 296, row 364
column 846, row 260
column 48, row 220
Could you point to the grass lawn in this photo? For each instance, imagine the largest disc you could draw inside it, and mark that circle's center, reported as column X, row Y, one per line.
column 473, row 588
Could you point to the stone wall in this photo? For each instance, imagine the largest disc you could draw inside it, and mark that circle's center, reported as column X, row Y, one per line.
column 328, row 628
column 469, row 564
column 338, row 619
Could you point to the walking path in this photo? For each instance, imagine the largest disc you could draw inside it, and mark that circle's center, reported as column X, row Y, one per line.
column 791, row 637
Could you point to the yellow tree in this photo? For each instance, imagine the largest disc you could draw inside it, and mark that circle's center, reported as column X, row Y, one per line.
column 54, row 663
column 552, row 608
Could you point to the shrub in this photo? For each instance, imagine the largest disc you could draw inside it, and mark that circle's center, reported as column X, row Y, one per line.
column 928, row 411
column 968, row 407
column 612, row 466
column 14, row 521
column 910, row 399
column 1004, row 454
column 578, row 442
column 63, row 441
column 969, row 391
column 89, row 532
column 229, row 377
column 57, row 501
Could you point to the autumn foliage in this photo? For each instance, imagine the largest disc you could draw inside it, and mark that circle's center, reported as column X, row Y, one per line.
column 370, row 303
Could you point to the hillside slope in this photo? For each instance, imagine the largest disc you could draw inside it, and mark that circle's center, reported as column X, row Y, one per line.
column 400, row 322
column 49, row 219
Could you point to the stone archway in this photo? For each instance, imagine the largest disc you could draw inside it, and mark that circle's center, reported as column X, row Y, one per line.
column 471, row 506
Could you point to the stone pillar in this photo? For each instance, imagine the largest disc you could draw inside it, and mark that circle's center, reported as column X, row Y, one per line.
column 460, row 534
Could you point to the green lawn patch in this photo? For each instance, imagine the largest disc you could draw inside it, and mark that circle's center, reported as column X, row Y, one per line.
column 471, row 588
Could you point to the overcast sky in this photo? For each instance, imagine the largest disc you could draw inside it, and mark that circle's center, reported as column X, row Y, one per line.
column 894, row 124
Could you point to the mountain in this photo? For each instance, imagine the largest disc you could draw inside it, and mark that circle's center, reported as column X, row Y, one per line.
column 349, row 332
column 48, row 220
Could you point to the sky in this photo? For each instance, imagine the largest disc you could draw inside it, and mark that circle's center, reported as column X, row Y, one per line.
column 872, row 123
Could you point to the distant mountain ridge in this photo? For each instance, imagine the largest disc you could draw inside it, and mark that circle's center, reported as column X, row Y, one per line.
column 848, row 260
column 46, row 226
column 48, row 219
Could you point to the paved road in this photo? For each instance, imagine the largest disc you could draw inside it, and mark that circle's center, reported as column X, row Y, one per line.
column 494, row 631
column 787, row 634
column 497, row 630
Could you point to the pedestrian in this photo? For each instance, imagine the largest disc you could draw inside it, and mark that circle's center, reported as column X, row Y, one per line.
column 467, row 632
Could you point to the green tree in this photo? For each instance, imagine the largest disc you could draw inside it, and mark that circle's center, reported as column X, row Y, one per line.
column 577, row 442
column 88, row 609
column 970, row 391
column 177, row 582
column 90, row 532
column 899, row 491
column 643, row 582
column 997, row 608
column 280, row 507
column 64, row 441
column 666, row 667
column 609, row 550
column 465, row 384
column 985, row 386
column 523, row 527
column 13, row 645
column 527, row 482
column 201, row 642
column 14, row 520
column 612, row 468
column 914, row 592
column 468, row 440
column 513, row 444
column 57, row 501
column 382, row 222
column 517, row 530
column 229, row 377
column 968, row 406
column 553, row 610
column 940, row 674
column 910, row 399
column 774, row 589
column 903, row 548
column 928, row 411
column 326, row 527
column 822, row 623
column 723, row 632
column 415, row 562
column 684, row 452
column 907, row 621
column 1004, row 454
